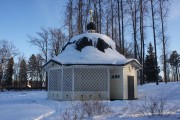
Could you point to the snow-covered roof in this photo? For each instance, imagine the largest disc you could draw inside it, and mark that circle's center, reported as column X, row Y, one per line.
column 90, row 48
column 94, row 37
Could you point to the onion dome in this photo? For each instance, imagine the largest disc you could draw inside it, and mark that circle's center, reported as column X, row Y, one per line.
column 91, row 26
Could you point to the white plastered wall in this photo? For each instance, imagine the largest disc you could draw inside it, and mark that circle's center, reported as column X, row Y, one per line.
column 119, row 86
column 116, row 84
column 129, row 70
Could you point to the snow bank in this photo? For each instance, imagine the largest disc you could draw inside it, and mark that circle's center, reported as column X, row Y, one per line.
column 23, row 106
column 33, row 105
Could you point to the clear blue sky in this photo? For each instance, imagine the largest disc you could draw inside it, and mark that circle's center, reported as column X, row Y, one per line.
column 174, row 26
column 19, row 18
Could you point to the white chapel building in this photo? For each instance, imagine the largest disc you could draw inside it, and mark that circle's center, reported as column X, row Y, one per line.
column 90, row 68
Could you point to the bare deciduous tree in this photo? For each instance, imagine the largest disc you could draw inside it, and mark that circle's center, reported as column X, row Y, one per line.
column 56, row 42
column 7, row 50
column 154, row 35
column 41, row 42
column 163, row 10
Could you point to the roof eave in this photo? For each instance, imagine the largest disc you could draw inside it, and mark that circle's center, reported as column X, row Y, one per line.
column 45, row 66
column 134, row 62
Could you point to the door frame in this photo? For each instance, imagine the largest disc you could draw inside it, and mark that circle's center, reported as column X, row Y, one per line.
column 130, row 85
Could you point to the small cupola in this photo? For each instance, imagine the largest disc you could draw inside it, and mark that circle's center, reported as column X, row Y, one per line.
column 91, row 27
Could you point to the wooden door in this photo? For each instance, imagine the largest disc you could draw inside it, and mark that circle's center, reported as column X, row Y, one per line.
column 130, row 87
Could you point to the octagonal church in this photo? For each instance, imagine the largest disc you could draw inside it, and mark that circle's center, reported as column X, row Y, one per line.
column 90, row 68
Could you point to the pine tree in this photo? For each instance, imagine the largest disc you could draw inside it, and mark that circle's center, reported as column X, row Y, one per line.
column 174, row 62
column 150, row 70
column 23, row 74
column 32, row 67
column 9, row 72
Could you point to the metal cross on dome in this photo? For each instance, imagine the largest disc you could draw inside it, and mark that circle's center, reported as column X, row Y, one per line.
column 91, row 17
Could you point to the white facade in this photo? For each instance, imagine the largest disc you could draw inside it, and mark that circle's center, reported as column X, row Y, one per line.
column 83, row 82
column 119, row 85
column 89, row 68
column 78, row 83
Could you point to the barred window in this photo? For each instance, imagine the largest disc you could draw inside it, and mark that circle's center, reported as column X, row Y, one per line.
column 55, row 79
column 91, row 79
column 67, row 79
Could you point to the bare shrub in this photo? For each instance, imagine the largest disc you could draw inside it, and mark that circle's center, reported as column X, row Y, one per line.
column 156, row 106
column 92, row 108
column 72, row 114
column 85, row 109
column 66, row 115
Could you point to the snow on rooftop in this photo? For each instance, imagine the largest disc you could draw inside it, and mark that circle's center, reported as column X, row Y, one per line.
column 90, row 55
column 94, row 37
column 90, row 48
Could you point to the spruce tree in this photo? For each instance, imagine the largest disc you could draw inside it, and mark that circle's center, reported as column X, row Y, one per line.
column 32, row 67
column 23, row 74
column 9, row 72
column 39, row 69
column 150, row 70
column 174, row 61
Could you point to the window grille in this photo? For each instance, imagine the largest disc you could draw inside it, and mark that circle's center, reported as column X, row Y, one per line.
column 55, row 79
column 85, row 79
column 67, row 79
column 91, row 79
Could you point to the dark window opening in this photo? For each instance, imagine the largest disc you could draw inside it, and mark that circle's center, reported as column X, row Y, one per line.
column 115, row 76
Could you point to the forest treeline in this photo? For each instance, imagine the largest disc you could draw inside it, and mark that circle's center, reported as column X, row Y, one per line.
column 132, row 24
column 136, row 26
column 128, row 22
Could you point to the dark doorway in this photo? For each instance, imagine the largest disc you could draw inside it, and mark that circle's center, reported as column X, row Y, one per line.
column 130, row 87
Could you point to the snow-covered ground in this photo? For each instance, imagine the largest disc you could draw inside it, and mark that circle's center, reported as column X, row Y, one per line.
column 33, row 105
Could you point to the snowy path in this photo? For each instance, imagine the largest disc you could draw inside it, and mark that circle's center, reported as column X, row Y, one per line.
column 30, row 105
column 23, row 106
column 34, row 105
